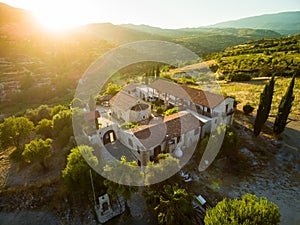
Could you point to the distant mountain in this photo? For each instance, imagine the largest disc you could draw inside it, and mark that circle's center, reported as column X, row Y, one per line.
column 286, row 23
column 14, row 15
column 116, row 33
column 18, row 25
column 206, row 40
column 202, row 31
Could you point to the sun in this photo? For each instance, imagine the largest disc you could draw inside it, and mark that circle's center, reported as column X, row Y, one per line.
column 61, row 15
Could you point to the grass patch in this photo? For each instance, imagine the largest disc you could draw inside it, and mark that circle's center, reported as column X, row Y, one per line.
column 249, row 92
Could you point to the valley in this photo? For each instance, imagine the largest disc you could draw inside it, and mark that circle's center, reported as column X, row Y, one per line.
column 39, row 75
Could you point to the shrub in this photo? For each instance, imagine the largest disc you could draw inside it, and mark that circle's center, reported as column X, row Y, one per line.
column 159, row 110
column 171, row 111
column 238, row 77
column 249, row 210
column 248, row 108
column 129, row 125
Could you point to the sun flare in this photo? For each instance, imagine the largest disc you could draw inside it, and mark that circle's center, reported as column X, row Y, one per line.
column 60, row 16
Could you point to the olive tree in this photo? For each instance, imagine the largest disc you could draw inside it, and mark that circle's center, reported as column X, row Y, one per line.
column 38, row 150
column 246, row 211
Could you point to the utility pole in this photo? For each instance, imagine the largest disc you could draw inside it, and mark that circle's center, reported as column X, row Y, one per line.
column 91, row 176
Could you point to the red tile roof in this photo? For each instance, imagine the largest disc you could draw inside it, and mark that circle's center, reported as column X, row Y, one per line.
column 172, row 126
column 204, row 98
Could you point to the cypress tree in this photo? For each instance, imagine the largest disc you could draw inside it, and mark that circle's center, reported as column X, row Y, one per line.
column 284, row 109
column 264, row 106
column 157, row 72
column 270, row 97
column 147, row 78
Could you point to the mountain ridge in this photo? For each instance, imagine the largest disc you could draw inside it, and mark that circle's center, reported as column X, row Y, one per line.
column 286, row 23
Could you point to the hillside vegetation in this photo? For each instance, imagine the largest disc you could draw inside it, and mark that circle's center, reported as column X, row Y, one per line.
column 261, row 57
column 204, row 41
column 38, row 67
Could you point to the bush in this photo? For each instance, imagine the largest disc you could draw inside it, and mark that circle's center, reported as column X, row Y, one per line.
column 159, row 110
column 129, row 125
column 171, row 111
column 236, row 102
column 248, row 108
column 249, row 210
column 238, row 77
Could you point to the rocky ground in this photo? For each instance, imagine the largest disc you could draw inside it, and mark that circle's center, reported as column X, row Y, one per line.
column 266, row 168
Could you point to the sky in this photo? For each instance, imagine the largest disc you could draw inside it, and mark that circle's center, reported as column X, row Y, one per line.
column 159, row 13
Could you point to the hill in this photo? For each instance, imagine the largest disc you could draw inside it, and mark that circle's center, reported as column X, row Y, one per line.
column 261, row 57
column 116, row 33
column 286, row 23
column 14, row 15
column 204, row 41
column 33, row 57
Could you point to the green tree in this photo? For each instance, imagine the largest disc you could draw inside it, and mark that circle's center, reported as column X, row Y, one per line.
column 172, row 204
column 56, row 109
column 14, row 132
column 163, row 163
column 76, row 172
column 157, row 72
column 38, row 150
column 247, row 211
column 122, row 172
column 44, row 128
column 35, row 115
column 264, row 106
column 62, row 127
column 112, row 89
column 284, row 109
column 114, row 189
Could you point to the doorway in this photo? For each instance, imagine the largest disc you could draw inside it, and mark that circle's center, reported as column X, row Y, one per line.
column 109, row 137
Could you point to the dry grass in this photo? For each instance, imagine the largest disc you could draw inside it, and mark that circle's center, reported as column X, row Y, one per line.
column 5, row 165
column 250, row 92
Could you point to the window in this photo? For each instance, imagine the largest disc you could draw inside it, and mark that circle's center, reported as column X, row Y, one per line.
column 130, row 142
column 138, row 149
column 178, row 139
column 208, row 110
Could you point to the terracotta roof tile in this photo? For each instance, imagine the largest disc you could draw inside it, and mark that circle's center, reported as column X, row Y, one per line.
column 204, row 98
column 173, row 126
